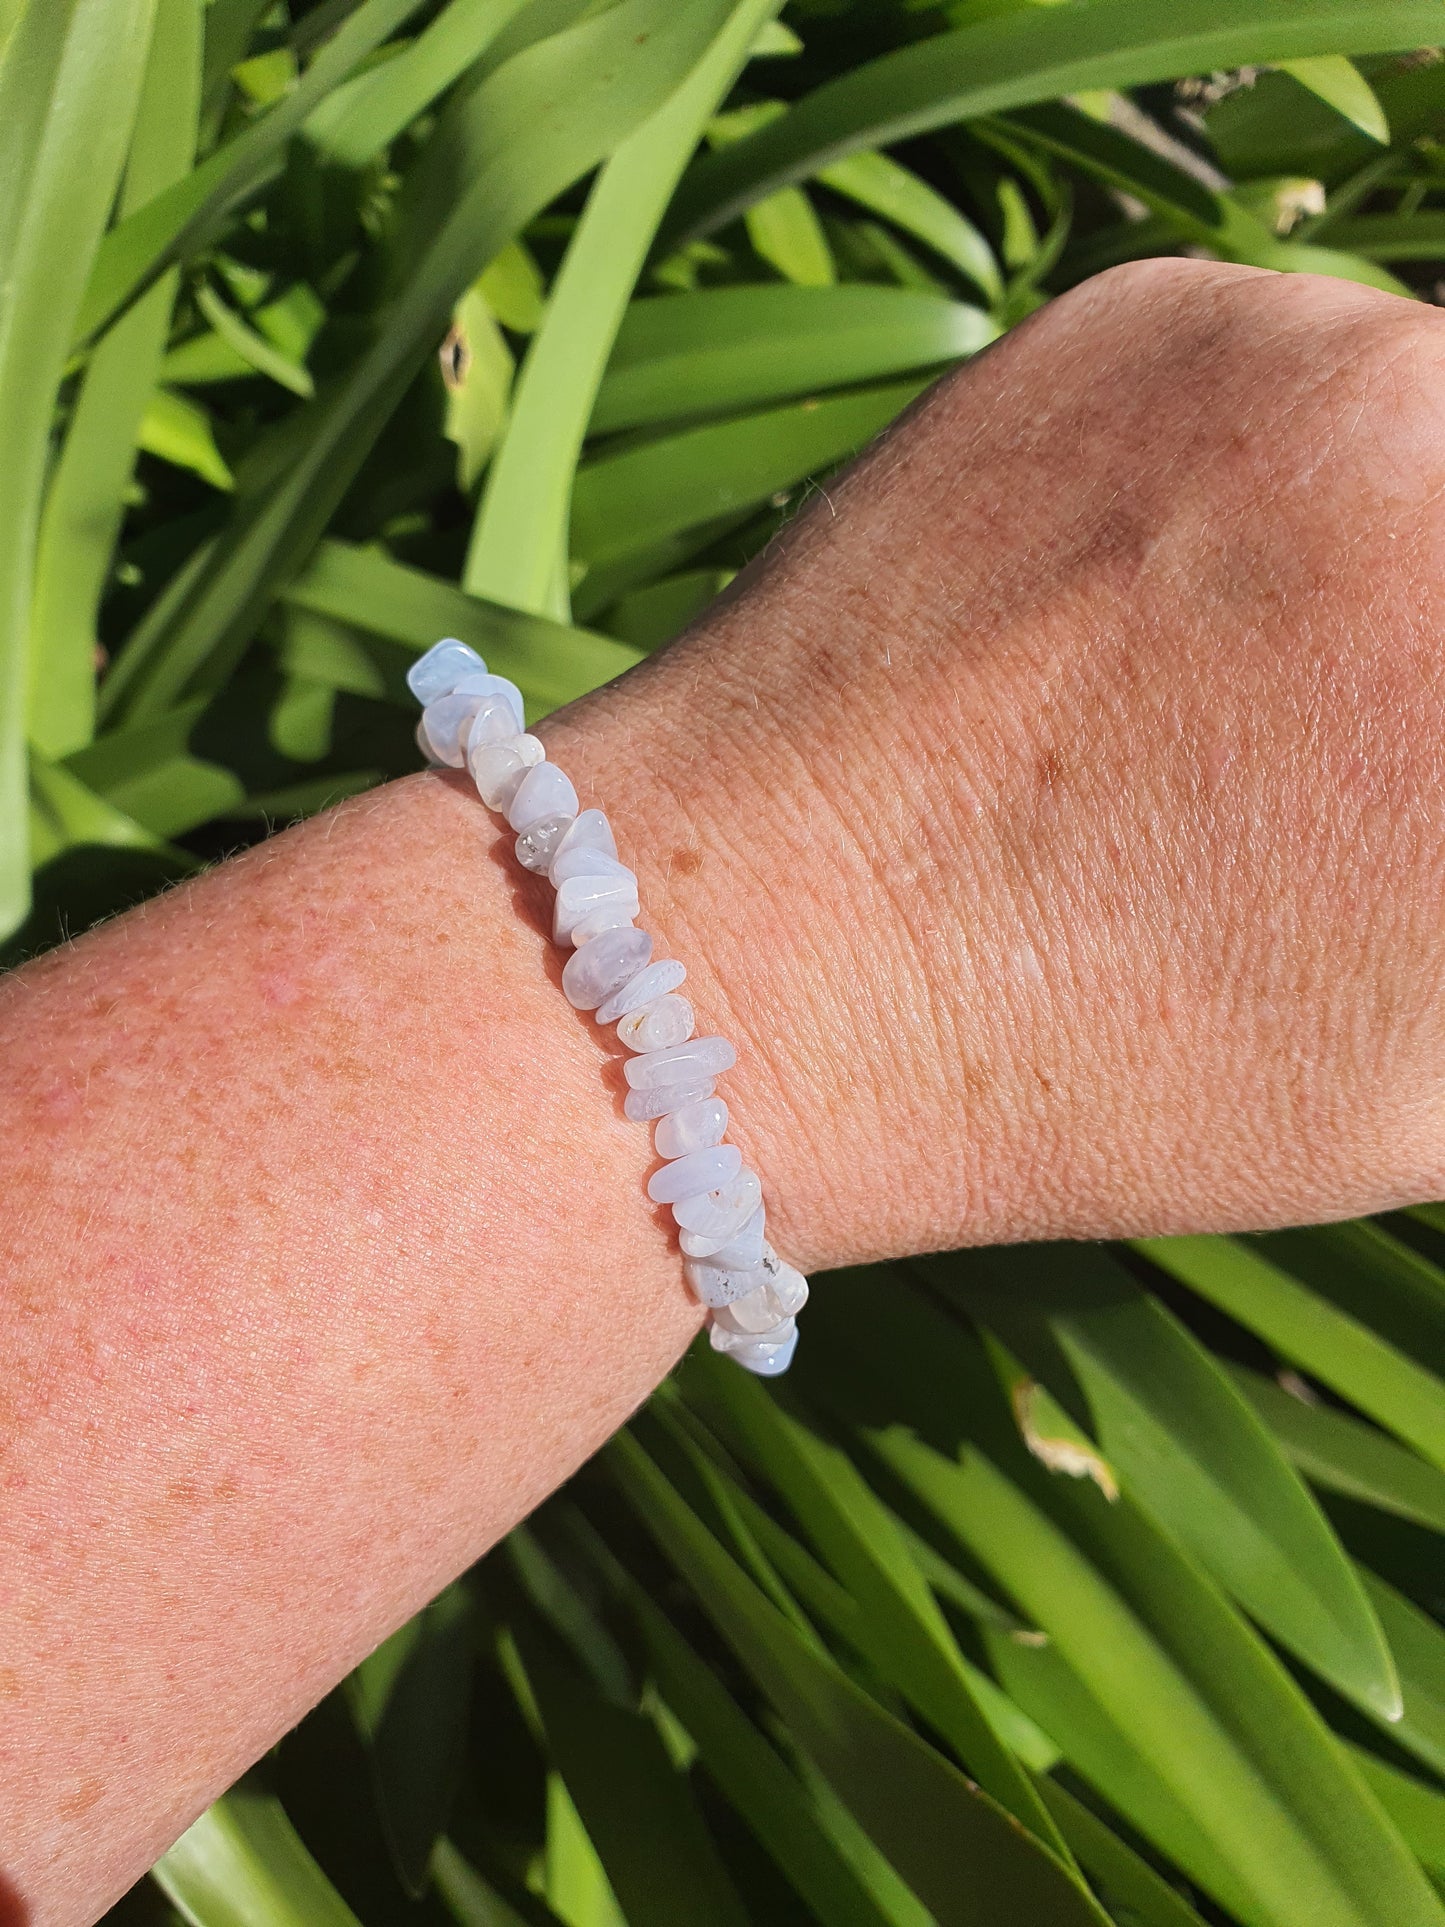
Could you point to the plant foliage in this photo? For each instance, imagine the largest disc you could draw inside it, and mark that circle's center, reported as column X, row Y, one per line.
column 1091, row 1585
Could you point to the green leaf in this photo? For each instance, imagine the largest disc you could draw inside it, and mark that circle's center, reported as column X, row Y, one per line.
column 1195, row 213
column 1393, row 237
column 512, row 288
column 179, row 431
column 196, row 361
column 478, row 367
column 1031, row 56
column 575, row 1882
column 472, row 1901
column 1374, row 1277
column 243, row 1864
column 529, row 130
column 1341, row 85
column 653, row 615
column 884, row 187
column 410, row 1698
column 1103, row 1749
column 1342, row 1454
column 254, row 349
column 964, row 1856
column 637, row 1808
column 150, row 774
column 1277, row 127
column 70, row 813
column 1345, row 1354
column 1416, row 1809
column 1419, row 1648
column 366, row 113
column 518, row 551
column 625, row 502
column 783, row 229
column 84, row 503
column 365, row 589
column 900, row 1625
column 1188, row 1444
column 788, row 235
column 733, row 348
column 1213, row 1716
column 1123, row 1879
column 180, row 220
column 70, row 82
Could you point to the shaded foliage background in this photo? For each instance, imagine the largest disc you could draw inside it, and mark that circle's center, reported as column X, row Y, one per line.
column 1062, row 1585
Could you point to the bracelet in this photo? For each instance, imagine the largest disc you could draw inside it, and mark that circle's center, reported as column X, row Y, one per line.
column 473, row 719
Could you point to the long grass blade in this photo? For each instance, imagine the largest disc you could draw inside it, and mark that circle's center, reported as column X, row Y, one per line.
column 518, row 551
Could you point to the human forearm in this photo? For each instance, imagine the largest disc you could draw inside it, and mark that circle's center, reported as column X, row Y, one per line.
column 328, row 1259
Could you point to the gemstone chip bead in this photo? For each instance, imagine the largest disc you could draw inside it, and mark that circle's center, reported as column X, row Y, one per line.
column 474, row 719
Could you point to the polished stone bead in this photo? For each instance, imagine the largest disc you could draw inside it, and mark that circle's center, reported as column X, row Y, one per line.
column 579, row 897
column 759, row 1311
column 498, row 768
column 717, row 1285
column 724, row 1212
column 494, row 720
column 603, row 965
column 656, row 981
column 642, row 1105
column 696, row 1127
column 585, row 860
column 768, row 1357
column 544, row 791
column 596, row 921
column 789, row 1287
column 657, row 1026
column 446, row 721
column 438, row 671
column 478, row 683
column 423, row 743
column 591, row 831
column 539, row 840
column 740, row 1251
column 720, row 1279
column 698, row 1057
column 698, row 1172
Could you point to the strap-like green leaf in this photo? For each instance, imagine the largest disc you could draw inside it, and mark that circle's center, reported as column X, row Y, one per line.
column 900, row 1625
column 551, row 664
column 964, row 1855
column 725, row 349
column 1312, row 1334
column 70, row 81
column 1030, row 56
column 626, row 501
column 637, row 1808
column 243, row 1864
column 530, row 129
column 410, row 1698
column 1245, row 1820
column 183, row 217
column 1342, row 1454
column 518, row 551
column 85, row 500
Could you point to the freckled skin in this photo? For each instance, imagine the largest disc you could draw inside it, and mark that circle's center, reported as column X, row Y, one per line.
column 1053, row 818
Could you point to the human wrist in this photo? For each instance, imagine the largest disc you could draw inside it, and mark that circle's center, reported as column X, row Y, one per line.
column 757, row 874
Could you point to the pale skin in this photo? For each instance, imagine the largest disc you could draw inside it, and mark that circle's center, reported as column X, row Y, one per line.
column 1055, row 820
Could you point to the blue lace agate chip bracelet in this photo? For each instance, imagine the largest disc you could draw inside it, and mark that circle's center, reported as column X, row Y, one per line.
column 474, row 720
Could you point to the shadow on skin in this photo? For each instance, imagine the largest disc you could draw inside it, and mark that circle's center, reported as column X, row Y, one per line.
column 13, row 1910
